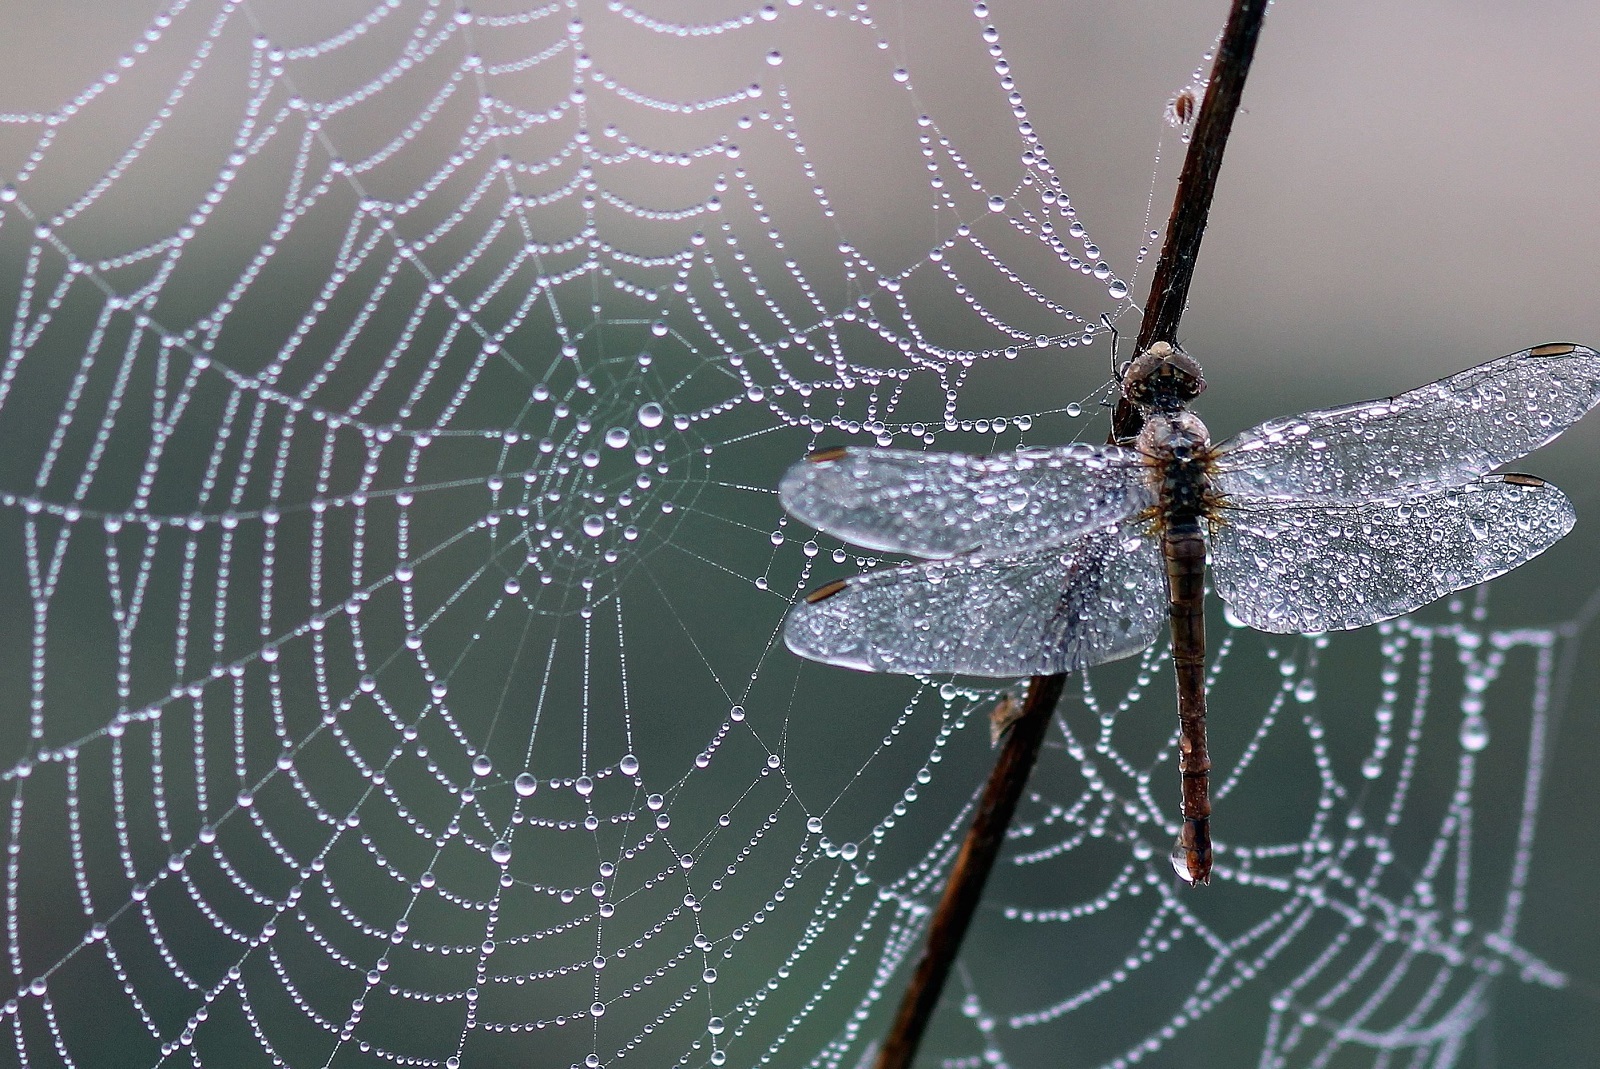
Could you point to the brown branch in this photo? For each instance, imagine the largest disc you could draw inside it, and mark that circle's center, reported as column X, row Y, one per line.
column 1169, row 290
column 964, row 886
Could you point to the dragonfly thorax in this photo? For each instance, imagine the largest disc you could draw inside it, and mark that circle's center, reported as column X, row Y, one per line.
column 1177, row 448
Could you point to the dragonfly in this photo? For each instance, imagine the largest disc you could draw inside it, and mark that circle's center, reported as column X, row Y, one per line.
column 1051, row 560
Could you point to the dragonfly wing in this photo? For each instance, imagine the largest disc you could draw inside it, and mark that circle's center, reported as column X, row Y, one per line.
column 944, row 504
column 1444, row 433
column 1301, row 568
column 1095, row 600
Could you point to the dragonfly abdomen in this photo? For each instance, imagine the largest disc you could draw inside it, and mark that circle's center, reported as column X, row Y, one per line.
column 1184, row 548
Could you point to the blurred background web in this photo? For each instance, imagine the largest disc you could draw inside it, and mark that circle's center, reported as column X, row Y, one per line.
column 392, row 404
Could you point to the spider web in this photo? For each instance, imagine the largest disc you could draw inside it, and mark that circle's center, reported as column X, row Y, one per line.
column 392, row 406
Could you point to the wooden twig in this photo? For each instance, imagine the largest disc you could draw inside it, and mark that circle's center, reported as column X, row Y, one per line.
column 1169, row 290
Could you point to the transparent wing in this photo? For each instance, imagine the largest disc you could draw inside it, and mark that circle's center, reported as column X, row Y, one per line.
column 1296, row 568
column 1096, row 600
column 1442, row 434
column 944, row 504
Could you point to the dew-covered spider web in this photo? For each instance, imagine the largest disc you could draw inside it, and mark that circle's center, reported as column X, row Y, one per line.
column 393, row 399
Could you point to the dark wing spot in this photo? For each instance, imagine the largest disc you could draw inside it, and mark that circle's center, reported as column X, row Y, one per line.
column 1555, row 348
column 1516, row 478
column 822, row 456
column 823, row 593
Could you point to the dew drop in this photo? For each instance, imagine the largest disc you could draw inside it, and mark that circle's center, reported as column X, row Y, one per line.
column 617, row 437
column 1074, row 410
column 1305, row 690
column 481, row 765
column 774, row 57
column 629, row 765
column 593, row 526
column 500, row 852
column 525, row 784
column 650, row 414
column 1118, row 289
column 1474, row 734
column 997, row 204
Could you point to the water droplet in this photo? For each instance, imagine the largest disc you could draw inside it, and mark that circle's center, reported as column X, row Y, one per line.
column 1474, row 734
column 500, row 852
column 617, row 437
column 1118, row 289
column 659, row 329
column 814, row 825
column 629, row 765
column 650, row 414
column 1074, row 410
column 774, row 57
column 997, row 204
column 593, row 526
column 481, row 765
column 1305, row 690
column 1372, row 768
column 716, row 1026
column 525, row 784
column 584, row 786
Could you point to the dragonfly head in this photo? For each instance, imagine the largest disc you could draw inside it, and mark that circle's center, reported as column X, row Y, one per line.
column 1163, row 378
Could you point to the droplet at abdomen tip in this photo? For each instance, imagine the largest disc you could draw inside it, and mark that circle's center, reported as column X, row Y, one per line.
column 1191, row 854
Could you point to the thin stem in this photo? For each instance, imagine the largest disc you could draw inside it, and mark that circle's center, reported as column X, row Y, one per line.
column 964, row 886
column 1169, row 290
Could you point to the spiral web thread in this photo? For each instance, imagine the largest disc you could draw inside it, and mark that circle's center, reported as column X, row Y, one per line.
column 392, row 405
